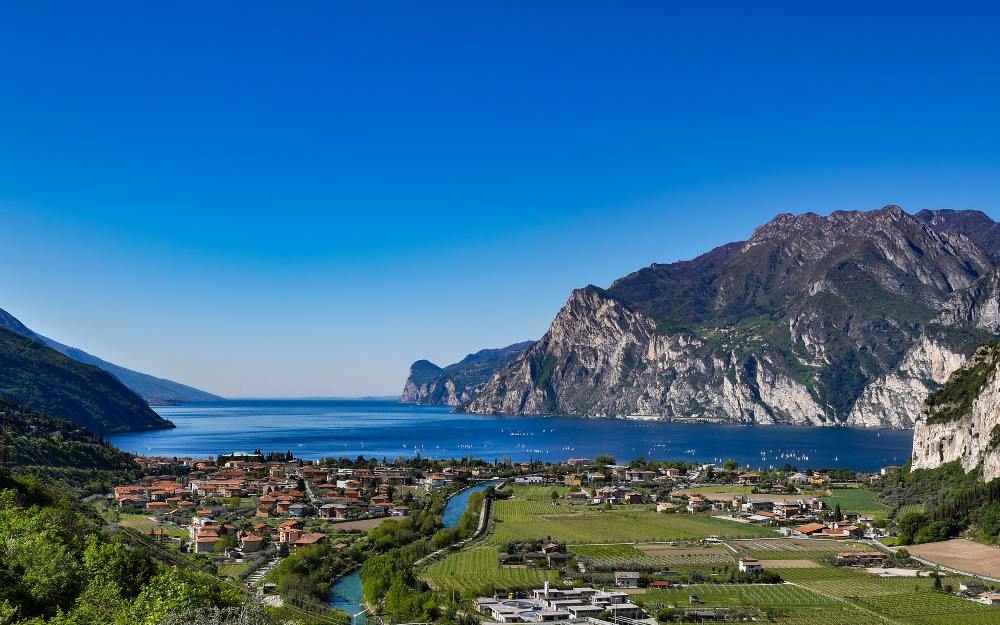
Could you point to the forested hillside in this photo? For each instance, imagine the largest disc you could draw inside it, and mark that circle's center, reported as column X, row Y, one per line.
column 37, row 376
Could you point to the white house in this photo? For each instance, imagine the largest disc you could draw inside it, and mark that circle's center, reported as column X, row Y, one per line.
column 626, row 579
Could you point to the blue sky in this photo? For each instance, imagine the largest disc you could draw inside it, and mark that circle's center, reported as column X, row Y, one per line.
column 268, row 200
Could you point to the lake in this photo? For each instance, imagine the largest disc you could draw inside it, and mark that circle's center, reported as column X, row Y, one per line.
column 314, row 429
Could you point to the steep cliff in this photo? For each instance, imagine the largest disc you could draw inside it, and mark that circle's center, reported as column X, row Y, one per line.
column 967, row 319
column 818, row 320
column 430, row 384
column 959, row 420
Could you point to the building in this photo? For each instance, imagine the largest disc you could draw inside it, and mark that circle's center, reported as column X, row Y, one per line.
column 626, row 579
column 556, row 604
column 990, row 598
column 696, row 504
column 252, row 543
column 313, row 538
column 972, row 587
column 750, row 565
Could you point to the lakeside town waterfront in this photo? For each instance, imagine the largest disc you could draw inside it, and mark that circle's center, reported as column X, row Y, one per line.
column 314, row 429
column 584, row 538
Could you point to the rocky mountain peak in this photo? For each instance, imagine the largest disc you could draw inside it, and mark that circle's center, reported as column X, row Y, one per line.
column 794, row 325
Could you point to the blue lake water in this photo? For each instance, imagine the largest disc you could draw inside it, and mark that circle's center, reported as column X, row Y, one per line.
column 332, row 428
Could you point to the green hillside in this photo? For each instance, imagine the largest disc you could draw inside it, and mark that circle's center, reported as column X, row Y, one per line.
column 39, row 377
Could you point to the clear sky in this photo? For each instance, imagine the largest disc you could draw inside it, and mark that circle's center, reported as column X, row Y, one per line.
column 288, row 199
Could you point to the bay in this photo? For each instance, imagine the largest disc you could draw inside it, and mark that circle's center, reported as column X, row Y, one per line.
column 313, row 429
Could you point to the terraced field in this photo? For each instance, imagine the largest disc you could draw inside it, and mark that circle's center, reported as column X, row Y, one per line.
column 794, row 548
column 518, row 519
column 648, row 557
column 476, row 571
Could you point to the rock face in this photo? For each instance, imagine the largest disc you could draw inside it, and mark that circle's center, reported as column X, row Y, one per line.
column 429, row 384
column 846, row 319
column 959, row 421
column 968, row 318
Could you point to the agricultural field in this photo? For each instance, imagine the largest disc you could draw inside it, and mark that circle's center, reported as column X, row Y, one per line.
column 961, row 555
column 856, row 500
column 794, row 548
column 517, row 519
column 895, row 600
column 653, row 556
column 476, row 571
column 762, row 595
column 910, row 507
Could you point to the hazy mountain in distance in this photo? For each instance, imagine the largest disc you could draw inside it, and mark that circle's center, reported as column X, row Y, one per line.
column 430, row 384
column 156, row 391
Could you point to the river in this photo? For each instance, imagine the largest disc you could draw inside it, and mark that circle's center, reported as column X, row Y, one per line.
column 346, row 592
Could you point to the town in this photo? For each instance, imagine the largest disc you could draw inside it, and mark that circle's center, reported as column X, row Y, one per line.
column 583, row 540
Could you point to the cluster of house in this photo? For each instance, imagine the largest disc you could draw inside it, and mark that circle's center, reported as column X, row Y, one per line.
column 978, row 592
column 281, row 489
column 181, row 489
column 550, row 554
column 206, row 533
column 556, row 604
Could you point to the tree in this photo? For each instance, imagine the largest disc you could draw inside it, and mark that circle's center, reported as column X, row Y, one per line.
column 554, row 495
column 730, row 465
column 604, row 460
column 837, row 514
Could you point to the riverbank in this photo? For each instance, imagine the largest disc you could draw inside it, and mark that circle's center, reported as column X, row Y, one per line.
column 346, row 593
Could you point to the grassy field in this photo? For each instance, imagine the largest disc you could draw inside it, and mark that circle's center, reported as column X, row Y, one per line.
column 794, row 548
column 815, row 593
column 762, row 595
column 476, row 570
column 529, row 516
column 896, row 600
column 856, row 500
column 647, row 557
column 827, row 595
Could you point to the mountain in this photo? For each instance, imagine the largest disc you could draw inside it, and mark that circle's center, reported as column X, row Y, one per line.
column 34, row 375
column 156, row 391
column 795, row 325
column 430, row 384
column 960, row 419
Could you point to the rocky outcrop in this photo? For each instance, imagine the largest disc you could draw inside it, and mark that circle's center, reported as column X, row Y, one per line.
column 968, row 318
column 852, row 318
column 429, row 384
column 895, row 399
column 959, row 421
column 601, row 359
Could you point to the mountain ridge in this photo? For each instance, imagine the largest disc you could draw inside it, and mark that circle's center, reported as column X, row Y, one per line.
column 429, row 384
column 793, row 325
column 38, row 377
column 154, row 390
